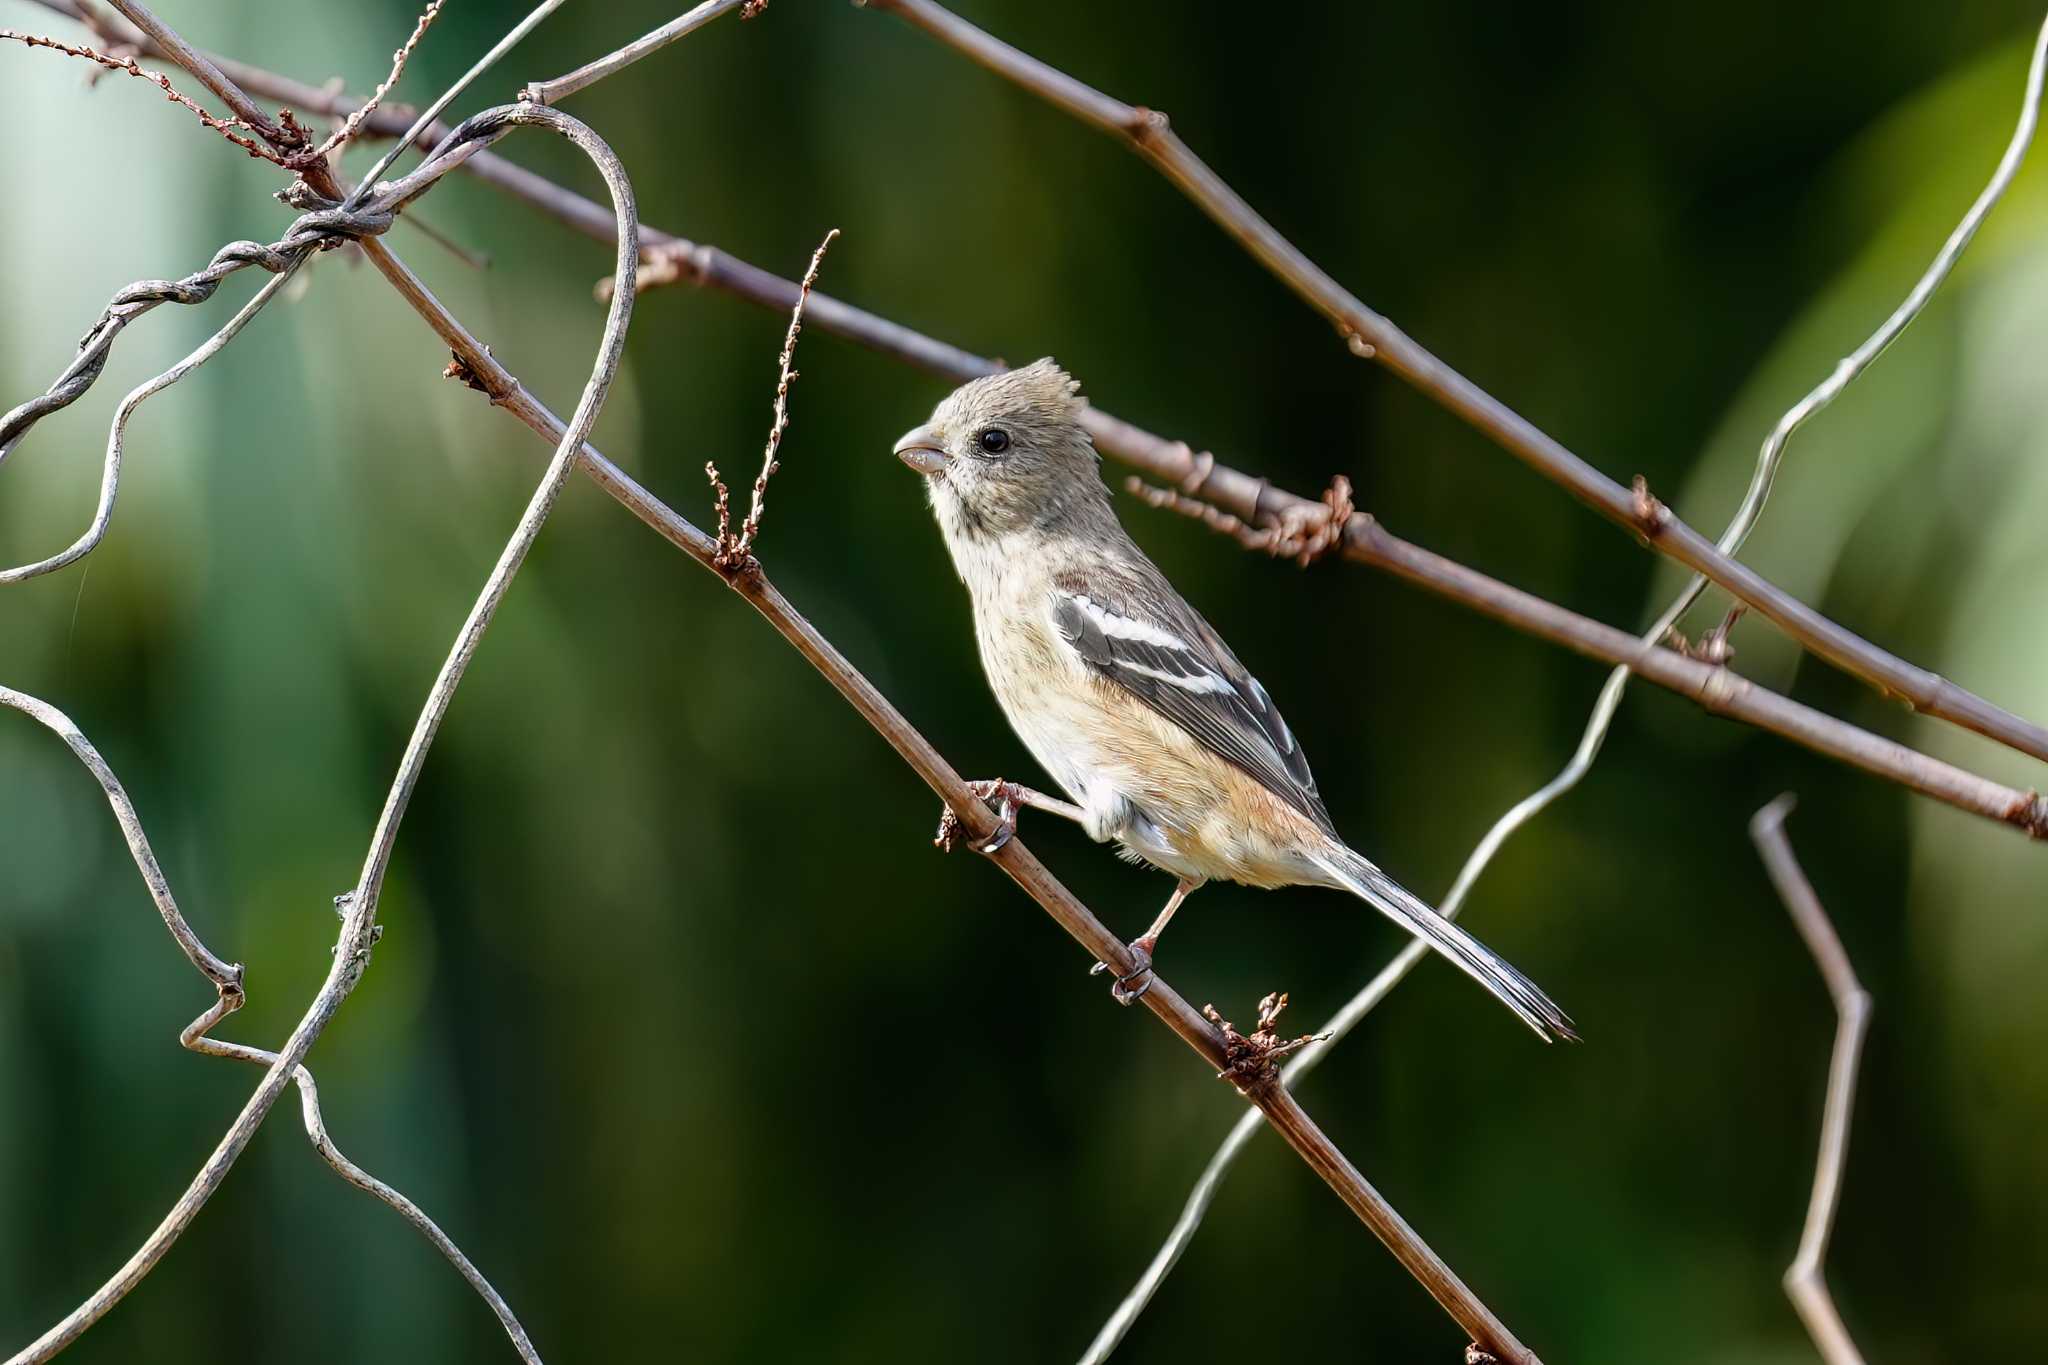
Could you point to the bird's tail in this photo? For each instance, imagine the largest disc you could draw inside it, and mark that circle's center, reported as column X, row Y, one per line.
column 1354, row 873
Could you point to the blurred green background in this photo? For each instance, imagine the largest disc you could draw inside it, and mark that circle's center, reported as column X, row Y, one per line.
column 679, row 1025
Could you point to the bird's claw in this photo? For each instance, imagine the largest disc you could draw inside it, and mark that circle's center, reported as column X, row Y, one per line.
column 1122, row 990
column 1006, row 829
column 1004, row 798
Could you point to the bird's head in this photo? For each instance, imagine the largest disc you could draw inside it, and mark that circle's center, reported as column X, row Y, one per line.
column 1007, row 452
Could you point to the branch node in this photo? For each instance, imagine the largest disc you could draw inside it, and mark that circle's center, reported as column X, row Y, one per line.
column 1148, row 127
column 753, row 9
column 1249, row 1063
column 1200, row 466
column 668, row 263
column 1713, row 648
column 2029, row 811
column 1648, row 515
column 461, row 371
column 1301, row 531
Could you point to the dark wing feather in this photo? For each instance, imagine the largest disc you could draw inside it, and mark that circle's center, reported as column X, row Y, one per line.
column 1154, row 646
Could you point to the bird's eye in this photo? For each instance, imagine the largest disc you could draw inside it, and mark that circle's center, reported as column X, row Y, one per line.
column 994, row 441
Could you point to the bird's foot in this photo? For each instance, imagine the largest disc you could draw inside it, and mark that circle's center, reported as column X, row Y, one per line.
column 1002, row 797
column 1126, row 990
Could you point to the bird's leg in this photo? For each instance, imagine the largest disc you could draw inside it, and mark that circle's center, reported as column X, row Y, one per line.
column 1141, row 948
column 1005, row 798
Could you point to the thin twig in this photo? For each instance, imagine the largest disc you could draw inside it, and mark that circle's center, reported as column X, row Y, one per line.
column 110, row 472
column 323, row 228
column 384, row 1192
column 227, row 979
column 425, row 121
column 354, row 122
column 1805, row 1279
column 1372, row 336
column 1771, row 454
column 233, row 129
column 734, row 552
column 327, row 225
column 1301, row 531
column 550, row 92
column 225, row 976
column 359, row 929
column 316, row 1128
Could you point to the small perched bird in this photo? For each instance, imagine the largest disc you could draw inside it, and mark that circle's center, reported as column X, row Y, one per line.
column 1123, row 693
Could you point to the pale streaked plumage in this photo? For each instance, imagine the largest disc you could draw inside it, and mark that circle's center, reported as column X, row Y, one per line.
column 1123, row 693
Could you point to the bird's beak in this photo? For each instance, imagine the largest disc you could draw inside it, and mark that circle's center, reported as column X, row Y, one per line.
column 923, row 451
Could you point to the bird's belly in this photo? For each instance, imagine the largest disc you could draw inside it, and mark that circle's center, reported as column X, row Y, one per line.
column 1226, row 841
column 1163, row 799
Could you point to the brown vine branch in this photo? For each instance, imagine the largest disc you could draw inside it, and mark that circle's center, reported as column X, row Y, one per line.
column 353, row 123
column 234, row 130
column 1372, row 336
column 1712, row 685
column 1806, row 1278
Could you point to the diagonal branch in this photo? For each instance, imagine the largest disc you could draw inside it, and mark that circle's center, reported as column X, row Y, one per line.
column 1281, row 1110
column 172, row 47
column 1372, row 336
column 233, row 129
column 1714, row 686
column 1805, row 1279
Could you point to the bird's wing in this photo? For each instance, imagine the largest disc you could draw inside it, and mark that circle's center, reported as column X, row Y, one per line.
column 1152, row 645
